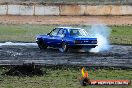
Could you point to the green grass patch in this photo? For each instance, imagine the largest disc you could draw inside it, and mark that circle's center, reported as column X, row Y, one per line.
column 121, row 35
column 27, row 33
column 67, row 77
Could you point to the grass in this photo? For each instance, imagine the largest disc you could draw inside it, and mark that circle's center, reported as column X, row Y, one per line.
column 67, row 77
column 27, row 33
column 121, row 35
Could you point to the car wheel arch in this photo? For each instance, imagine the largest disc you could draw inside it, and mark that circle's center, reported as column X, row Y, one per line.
column 64, row 49
column 41, row 43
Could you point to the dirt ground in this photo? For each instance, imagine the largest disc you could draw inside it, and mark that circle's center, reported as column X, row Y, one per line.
column 118, row 55
column 71, row 20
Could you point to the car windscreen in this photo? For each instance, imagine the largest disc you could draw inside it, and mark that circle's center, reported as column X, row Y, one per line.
column 78, row 32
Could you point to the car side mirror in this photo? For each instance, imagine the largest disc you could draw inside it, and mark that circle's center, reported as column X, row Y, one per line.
column 48, row 33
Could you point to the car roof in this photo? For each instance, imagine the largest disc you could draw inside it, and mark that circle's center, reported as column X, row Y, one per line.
column 69, row 28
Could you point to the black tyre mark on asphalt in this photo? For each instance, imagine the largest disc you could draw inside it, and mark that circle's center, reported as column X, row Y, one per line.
column 118, row 55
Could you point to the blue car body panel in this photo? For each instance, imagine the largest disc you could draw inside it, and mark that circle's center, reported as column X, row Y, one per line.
column 53, row 40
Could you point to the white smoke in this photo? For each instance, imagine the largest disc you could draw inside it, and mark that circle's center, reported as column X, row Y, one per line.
column 102, row 33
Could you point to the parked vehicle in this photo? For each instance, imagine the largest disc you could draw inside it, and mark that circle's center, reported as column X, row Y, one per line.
column 64, row 38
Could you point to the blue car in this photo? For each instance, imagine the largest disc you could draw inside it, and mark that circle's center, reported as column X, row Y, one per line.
column 64, row 38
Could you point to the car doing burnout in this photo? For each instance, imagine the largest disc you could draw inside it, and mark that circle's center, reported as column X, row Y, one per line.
column 64, row 38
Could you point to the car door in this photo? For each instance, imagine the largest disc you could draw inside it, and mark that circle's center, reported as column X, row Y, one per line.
column 51, row 41
column 61, row 36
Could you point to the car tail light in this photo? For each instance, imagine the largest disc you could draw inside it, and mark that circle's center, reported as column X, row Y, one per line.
column 77, row 42
column 95, row 42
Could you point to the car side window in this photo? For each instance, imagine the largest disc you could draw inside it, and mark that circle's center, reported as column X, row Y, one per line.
column 54, row 32
column 74, row 32
column 62, row 32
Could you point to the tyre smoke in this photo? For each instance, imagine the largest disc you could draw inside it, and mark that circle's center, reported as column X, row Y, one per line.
column 102, row 33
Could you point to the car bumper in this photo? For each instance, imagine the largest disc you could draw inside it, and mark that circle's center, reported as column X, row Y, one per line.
column 83, row 46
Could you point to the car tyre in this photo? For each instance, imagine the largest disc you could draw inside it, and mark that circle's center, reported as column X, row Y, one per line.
column 41, row 44
column 64, row 47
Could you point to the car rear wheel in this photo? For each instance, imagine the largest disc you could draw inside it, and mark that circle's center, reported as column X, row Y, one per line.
column 41, row 44
column 64, row 47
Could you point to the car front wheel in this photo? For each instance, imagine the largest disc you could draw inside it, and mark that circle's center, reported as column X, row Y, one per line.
column 41, row 44
column 64, row 47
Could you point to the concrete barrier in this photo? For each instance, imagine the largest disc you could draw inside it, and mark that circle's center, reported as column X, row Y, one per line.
column 51, row 10
column 72, row 9
column 65, row 9
column 115, row 10
column 46, row 10
column 39, row 10
column 108, row 10
column 26, row 10
column 13, row 9
column 20, row 10
column 126, row 10
column 103, row 10
column 3, row 9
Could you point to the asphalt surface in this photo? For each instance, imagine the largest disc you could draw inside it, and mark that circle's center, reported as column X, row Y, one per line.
column 26, row 53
